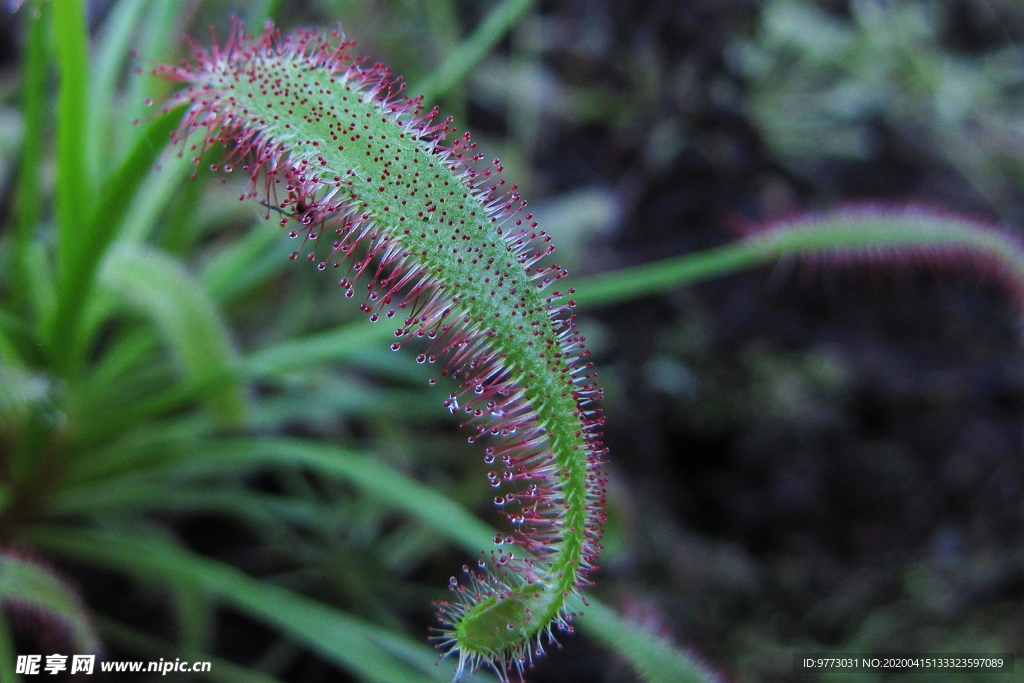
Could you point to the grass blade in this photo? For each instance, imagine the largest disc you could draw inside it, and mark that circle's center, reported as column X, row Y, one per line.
column 649, row 654
column 154, row 194
column 28, row 197
column 356, row 645
column 220, row 670
column 98, row 233
column 158, row 43
column 107, row 67
column 262, row 10
column 125, row 183
column 144, row 448
column 187, row 319
column 340, row 343
column 74, row 196
column 18, row 345
column 468, row 54
column 246, row 263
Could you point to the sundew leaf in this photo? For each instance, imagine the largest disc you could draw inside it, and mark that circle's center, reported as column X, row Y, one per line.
column 365, row 649
column 188, row 320
column 439, row 244
column 27, row 585
column 879, row 234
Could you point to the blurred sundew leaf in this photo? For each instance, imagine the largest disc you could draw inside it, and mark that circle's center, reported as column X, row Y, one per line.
column 187, row 319
column 27, row 584
column 652, row 656
column 366, row 649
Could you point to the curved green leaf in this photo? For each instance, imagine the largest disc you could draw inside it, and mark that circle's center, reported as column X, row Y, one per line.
column 469, row 53
column 187, row 319
column 363, row 648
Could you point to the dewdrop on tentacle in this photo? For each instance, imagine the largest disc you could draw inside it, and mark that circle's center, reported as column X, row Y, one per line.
column 428, row 236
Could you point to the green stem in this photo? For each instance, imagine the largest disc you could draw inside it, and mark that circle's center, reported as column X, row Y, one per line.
column 865, row 234
column 467, row 55
column 662, row 276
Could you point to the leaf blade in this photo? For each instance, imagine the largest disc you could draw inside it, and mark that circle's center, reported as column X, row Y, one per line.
column 188, row 320
column 658, row 660
column 357, row 646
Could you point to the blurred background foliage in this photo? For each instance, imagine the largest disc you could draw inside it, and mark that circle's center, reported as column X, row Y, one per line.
column 226, row 460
